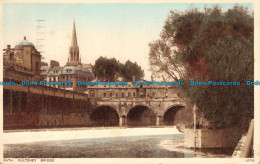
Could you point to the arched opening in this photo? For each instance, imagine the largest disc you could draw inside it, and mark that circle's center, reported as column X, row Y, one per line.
column 104, row 116
column 141, row 116
column 177, row 115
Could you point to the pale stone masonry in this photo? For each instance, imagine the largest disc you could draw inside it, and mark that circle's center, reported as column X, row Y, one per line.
column 209, row 138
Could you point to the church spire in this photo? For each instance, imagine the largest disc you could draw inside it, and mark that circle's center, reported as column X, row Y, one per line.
column 74, row 49
column 74, row 36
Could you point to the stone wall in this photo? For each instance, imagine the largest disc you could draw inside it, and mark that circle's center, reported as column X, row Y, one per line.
column 27, row 106
column 239, row 147
column 208, row 138
column 59, row 120
column 189, row 139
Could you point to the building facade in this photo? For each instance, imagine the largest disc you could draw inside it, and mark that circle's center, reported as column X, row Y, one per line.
column 22, row 63
column 73, row 71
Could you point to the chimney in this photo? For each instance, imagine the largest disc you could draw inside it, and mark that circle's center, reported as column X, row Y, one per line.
column 8, row 47
column 133, row 78
column 54, row 63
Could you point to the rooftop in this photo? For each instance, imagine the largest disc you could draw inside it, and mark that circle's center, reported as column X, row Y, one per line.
column 23, row 43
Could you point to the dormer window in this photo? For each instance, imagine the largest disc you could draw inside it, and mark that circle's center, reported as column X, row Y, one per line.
column 68, row 70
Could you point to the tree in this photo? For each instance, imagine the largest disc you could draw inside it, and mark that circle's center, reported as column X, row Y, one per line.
column 210, row 46
column 111, row 69
column 130, row 70
column 106, row 69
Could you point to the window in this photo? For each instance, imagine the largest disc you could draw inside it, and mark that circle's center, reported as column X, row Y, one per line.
column 133, row 94
column 68, row 70
column 129, row 94
column 104, row 94
column 123, row 95
column 92, row 93
column 111, row 94
column 37, row 67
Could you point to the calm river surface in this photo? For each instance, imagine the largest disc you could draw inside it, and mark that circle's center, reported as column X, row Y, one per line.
column 122, row 147
column 150, row 145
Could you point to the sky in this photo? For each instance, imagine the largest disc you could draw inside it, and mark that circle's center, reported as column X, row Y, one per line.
column 120, row 30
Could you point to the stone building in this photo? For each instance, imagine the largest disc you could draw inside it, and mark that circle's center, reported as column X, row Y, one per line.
column 22, row 63
column 131, row 91
column 73, row 71
column 28, row 106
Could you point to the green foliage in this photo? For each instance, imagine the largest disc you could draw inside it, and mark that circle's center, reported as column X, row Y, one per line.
column 210, row 46
column 112, row 69
column 106, row 69
column 130, row 70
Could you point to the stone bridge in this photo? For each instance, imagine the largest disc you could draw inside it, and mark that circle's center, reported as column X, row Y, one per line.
column 158, row 108
column 41, row 106
column 139, row 105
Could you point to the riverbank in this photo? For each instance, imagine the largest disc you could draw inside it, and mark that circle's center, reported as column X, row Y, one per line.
column 177, row 145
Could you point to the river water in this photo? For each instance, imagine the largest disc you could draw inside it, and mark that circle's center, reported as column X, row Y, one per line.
column 101, row 143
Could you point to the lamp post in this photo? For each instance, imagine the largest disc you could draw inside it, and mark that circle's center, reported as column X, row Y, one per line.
column 194, row 118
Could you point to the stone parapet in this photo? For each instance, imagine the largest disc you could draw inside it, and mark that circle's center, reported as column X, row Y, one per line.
column 209, row 138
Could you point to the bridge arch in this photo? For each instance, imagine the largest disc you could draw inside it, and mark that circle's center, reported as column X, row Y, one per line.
column 177, row 114
column 141, row 115
column 104, row 115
